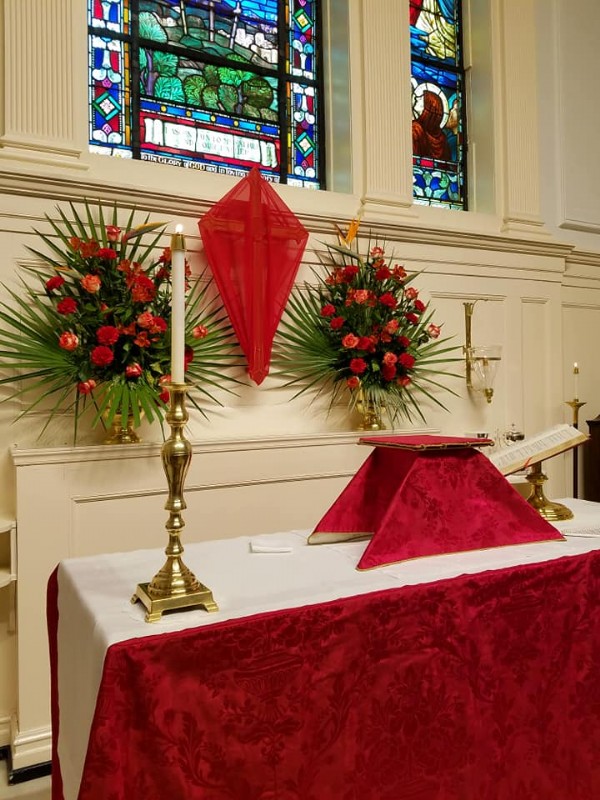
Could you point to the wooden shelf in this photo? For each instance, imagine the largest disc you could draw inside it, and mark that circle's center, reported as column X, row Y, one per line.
column 9, row 574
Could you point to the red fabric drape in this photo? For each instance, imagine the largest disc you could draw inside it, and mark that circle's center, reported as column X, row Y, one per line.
column 483, row 686
column 426, row 502
column 253, row 243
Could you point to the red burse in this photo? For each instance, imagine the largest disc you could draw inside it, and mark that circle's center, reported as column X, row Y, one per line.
column 427, row 495
column 253, row 243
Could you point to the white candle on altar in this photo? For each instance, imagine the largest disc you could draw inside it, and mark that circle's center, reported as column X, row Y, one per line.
column 177, row 306
column 576, row 379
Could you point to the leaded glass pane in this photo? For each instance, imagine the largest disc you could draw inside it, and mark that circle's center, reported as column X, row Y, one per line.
column 210, row 83
column 437, row 103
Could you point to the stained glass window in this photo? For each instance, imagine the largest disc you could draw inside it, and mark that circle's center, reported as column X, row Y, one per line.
column 438, row 104
column 218, row 85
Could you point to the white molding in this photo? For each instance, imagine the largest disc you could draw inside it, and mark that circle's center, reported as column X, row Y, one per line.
column 29, row 748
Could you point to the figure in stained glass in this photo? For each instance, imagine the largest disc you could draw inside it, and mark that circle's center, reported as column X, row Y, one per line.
column 438, row 103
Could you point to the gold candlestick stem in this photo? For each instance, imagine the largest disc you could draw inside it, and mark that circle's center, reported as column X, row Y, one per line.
column 553, row 512
column 174, row 586
column 575, row 404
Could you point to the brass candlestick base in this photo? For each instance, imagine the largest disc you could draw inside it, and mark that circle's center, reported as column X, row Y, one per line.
column 553, row 512
column 174, row 586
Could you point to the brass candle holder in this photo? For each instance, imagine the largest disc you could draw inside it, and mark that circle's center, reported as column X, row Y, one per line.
column 553, row 512
column 575, row 406
column 174, row 586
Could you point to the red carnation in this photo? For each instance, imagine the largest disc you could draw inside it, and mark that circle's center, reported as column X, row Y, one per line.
column 388, row 300
column 350, row 272
column 383, row 274
column 404, row 341
column 54, row 283
column 388, row 371
column 328, row 310
column 406, row 360
column 107, row 334
column 143, row 289
column 419, row 306
column 106, row 252
column 358, row 366
column 102, row 356
column 66, row 306
column 337, row 323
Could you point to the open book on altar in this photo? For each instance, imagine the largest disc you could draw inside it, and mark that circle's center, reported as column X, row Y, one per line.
column 537, row 448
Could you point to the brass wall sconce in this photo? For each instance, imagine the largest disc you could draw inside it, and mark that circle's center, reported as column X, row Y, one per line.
column 481, row 361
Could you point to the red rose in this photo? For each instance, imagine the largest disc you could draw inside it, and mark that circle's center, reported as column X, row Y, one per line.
column 91, row 283
column 407, row 360
column 66, row 306
column 412, row 318
column 419, row 306
column 113, row 234
column 106, row 252
column 364, row 343
column 358, row 366
column 102, row 356
column 388, row 371
column 434, row 331
column 388, row 300
column 389, row 358
column 353, row 382
column 391, row 326
column 68, row 341
column 145, row 320
column 54, row 283
column 199, row 332
column 350, row 341
column 86, row 387
column 107, row 334
column 404, row 380
column 328, row 310
column 133, row 371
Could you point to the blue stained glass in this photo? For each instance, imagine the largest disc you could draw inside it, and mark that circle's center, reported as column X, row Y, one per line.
column 210, row 81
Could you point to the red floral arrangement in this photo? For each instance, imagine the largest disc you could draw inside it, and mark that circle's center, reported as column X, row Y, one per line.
column 364, row 327
column 98, row 328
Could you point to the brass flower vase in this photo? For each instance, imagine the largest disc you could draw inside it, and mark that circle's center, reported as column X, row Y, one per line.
column 121, row 431
column 370, row 413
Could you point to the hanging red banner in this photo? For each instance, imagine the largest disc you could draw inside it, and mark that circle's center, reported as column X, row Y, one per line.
column 254, row 244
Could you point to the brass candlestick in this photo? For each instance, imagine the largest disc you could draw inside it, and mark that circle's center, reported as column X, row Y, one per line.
column 575, row 405
column 553, row 512
column 174, row 586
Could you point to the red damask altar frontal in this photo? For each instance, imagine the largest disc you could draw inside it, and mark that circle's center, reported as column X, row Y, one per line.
column 481, row 687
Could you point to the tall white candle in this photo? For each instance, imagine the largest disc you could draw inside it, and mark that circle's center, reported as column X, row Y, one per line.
column 576, row 379
column 177, row 306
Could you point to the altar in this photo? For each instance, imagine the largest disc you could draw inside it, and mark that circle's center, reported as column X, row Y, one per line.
column 466, row 675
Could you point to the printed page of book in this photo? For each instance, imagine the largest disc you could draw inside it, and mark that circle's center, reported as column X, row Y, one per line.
column 537, row 448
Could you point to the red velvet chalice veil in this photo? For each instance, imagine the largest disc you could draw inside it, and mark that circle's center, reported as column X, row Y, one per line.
column 427, row 495
column 253, row 243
